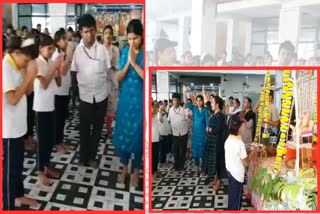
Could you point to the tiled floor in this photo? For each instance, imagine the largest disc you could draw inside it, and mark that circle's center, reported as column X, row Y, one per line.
column 181, row 190
column 82, row 188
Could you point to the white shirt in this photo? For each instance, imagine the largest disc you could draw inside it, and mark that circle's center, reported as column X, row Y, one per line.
column 235, row 152
column 165, row 126
column 178, row 120
column 236, row 111
column 114, row 55
column 231, row 109
column 14, row 117
column 170, row 128
column 43, row 100
column 155, row 129
column 63, row 90
column 92, row 67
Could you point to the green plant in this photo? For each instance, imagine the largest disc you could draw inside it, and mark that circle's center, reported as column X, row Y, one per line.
column 276, row 188
column 290, row 193
column 264, row 184
column 311, row 200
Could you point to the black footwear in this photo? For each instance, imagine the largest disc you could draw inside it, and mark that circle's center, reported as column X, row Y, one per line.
column 93, row 164
column 80, row 163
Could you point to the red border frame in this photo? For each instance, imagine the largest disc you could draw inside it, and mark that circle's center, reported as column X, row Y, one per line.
column 217, row 69
column 144, row 125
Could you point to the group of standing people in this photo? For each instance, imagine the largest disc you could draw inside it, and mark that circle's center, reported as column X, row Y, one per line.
column 221, row 135
column 39, row 67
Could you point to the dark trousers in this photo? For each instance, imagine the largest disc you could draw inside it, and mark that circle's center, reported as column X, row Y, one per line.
column 46, row 125
column 155, row 156
column 165, row 148
column 13, row 155
column 62, row 110
column 170, row 144
column 74, row 88
column 91, row 115
column 30, row 115
column 234, row 193
column 221, row 164
column 180, row 150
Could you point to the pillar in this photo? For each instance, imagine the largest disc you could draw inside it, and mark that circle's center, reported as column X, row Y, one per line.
column 232, row 37
column 248, row 37
column 57, row 13
column 163, row 89
column 203, row 27
column 14, row 16
column 289, row 23
column 184, row 23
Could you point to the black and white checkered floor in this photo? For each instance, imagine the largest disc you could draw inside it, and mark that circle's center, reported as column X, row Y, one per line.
column 182, row 190
column 82, row 188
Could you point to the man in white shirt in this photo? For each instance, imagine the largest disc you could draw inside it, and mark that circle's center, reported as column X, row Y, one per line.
column 91, row 62
column 179, row 123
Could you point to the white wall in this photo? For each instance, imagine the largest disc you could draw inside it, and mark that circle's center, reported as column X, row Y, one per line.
column 57, row 13
column 234, row 84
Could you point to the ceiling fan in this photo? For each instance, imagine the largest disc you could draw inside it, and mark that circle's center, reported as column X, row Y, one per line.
column 225, row 79
column 245, row 84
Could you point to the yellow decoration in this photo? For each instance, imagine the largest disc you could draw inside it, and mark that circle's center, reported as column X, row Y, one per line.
column 263, row 110
column 278, row 158
column 287, row 93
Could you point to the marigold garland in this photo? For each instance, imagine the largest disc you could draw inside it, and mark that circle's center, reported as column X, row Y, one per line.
column 287, row 99
column 260, row 110
column 315, row 116
column 267, row 102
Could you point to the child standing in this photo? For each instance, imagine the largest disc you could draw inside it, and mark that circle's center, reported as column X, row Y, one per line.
column 164, row 132
column 236, row 160
column 15, row 85
column 65, row 50
column 43, row 105
column 156, row 120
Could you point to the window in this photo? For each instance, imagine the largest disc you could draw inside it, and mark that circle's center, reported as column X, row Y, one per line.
column 30, row 15
column 71, row 9
column 307, row 42
column 154, row 87
column 24, row 9
column 39, row 9
column 265, row 37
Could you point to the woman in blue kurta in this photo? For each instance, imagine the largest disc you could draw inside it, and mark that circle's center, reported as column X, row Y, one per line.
column 128, row 133
column 199, row 135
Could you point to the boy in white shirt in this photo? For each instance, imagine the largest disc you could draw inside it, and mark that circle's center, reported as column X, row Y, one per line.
column 44, row 93
column 155, row 138
column 179, row 123
column 236, row 159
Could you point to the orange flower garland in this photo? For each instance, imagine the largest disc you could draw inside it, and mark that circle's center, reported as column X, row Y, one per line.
column 287, row 99
column 264, row 105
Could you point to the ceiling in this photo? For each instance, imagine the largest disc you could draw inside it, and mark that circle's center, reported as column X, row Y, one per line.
column 256, row 12
column 216, row 73
column 226, row 8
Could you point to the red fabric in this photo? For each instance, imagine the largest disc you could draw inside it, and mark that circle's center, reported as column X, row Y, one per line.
column 109, row 120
